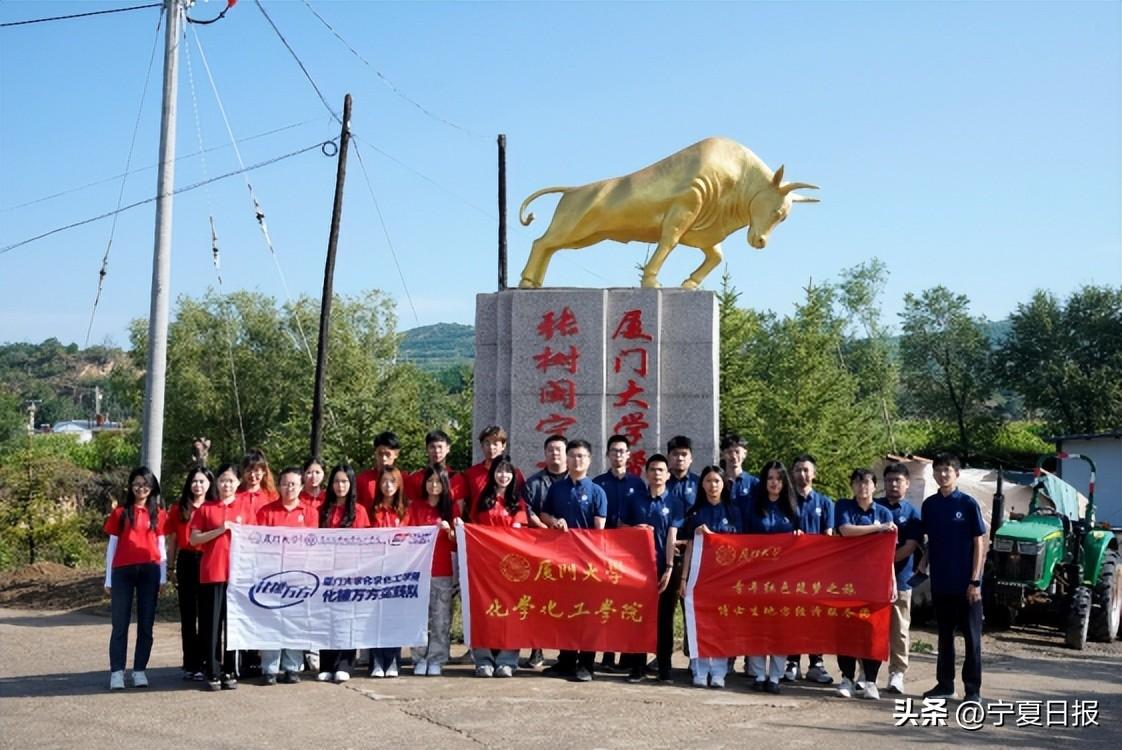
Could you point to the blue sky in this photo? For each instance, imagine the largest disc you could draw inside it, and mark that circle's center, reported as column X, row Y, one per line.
column 975, row 145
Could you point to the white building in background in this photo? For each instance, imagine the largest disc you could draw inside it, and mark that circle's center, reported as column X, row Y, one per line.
column 1105, row 449
column 83, row 429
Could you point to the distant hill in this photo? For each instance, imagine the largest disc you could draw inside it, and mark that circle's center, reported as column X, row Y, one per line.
column 438, row 347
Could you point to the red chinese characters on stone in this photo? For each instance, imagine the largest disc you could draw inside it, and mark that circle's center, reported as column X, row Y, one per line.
column 558, row 324
column 627, row 396
column 631, row 327
column 555, row 424
column 548, row 358
column 640, row 357
column 631, row 425
column 561, row 391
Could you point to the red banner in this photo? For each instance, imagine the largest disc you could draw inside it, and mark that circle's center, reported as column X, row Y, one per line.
column 578, row 590
column 786, row 594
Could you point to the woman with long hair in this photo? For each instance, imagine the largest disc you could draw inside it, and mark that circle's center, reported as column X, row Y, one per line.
column 135, row 569
column 198, row 488
column 713, row 513
column 389, row 512
column 435, row 507
column 500, row 504
column 258, row 486
column 774, row 510
column 340, row 510
column 210, row 531
column 312, row 492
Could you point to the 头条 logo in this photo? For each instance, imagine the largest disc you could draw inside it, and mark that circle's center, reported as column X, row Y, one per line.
column 284, row 589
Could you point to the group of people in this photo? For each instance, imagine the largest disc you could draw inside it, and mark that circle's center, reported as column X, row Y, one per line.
column 670, row 500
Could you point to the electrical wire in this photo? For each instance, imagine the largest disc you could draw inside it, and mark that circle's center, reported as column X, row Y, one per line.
column 104, row 271
column 194, row 186
column 150, row 167
column 386, row 232
column 387, row 81
column 299, row 62
column 80, row 15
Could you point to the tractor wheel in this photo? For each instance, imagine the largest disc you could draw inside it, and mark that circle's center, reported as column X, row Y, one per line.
column 1078, row 617
column 1106, row 601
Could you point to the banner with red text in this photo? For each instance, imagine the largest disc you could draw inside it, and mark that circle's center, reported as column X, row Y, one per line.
column 787, row 594
column 579, row 590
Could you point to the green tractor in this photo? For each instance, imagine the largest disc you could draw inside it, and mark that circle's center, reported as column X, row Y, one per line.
column 1054, row 560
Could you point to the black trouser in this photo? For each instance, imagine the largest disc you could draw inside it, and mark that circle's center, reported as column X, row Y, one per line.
column 336, row 661
column 568, row 661
column 141, row 581
column 812, row 659
column 664, row 649
column 954, row 612
column 848, row 666
column 212, row 602
column 192, row 627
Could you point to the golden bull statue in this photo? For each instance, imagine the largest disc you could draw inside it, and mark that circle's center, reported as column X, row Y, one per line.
column 696, row 197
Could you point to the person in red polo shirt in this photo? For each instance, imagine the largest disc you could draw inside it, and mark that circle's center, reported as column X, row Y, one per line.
column 210, row 532
column 291, row 512
column 437, row 446
column 198, row 488
column 438, row 508
column 389, row 512
column 135, row 567
column 257, row 486
column 340, row 511
column 492, row 442
column 386, row 450
column 313, row 493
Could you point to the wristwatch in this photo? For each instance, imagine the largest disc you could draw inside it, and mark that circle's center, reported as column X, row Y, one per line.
column 976, row 582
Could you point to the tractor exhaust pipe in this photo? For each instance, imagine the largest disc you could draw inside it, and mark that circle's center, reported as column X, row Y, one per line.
column 998, row 516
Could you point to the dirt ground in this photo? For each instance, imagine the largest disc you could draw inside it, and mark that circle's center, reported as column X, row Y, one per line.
column 53, row 693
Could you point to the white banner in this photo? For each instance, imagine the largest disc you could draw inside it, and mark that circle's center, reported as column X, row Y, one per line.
column 312, row 589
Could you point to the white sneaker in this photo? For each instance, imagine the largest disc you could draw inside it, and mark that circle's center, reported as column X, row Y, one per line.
column 420, row 667
column 435, row 670
column 817, row 673
column 791, row 673
column 323, row 677
column 716, row 682
column 139, row 679
column 845, row 689
column 871, row 692
column 896, row 682
column 391, row 670
column 117, row 680
column 701, row 680
column 504, row 670
column 377, row 671
column 342, row 676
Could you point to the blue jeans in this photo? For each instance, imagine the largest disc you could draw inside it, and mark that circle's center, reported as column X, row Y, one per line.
column 384, row 657
column 494, row 658
column 285, row 659
column 143, row 582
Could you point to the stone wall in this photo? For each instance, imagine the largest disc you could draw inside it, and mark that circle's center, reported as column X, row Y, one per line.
column 592, row 362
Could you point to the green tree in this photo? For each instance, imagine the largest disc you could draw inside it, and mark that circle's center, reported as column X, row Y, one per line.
column 788, row 390
column 1065, row 360
column 944, row 362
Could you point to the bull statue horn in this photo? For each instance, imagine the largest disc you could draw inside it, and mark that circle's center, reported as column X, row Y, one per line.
column 778, row 178
column 795, row 186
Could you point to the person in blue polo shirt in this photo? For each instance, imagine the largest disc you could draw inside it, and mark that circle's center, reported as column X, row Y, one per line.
column 909, row 534
column 662, row 513
column 816, row 516
column 575, row 502
column 956, row 554
column 713, row 513
column 618, row 484
column 734, row 449
column 858, row 517
column 773, row 512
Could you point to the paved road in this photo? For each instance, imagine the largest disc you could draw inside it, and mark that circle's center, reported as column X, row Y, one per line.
column 53, row 694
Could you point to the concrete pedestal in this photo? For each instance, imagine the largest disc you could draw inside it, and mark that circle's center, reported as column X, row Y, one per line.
column 589, row 363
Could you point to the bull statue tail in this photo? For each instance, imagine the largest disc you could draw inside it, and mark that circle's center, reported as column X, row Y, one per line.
column 526, row 219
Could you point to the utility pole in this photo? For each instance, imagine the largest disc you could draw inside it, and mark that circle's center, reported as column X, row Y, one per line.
column 152, row 438
column 328, row 282
column 502, row 211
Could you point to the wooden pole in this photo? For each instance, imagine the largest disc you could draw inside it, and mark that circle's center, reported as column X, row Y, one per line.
column 502, row 212
column 328, row 282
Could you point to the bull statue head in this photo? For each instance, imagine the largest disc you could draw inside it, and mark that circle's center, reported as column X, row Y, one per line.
column 771, row 205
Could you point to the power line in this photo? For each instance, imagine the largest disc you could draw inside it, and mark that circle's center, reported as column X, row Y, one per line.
column 80, row 15
column 299, row 62
column 387, row 81
column 68, row 191
column 322, row 145
column 121, row 192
